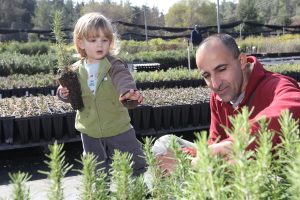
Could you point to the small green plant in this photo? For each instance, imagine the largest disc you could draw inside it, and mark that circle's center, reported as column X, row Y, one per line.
column 19, row 192
column 123, row 184
column 63, row 59
column 58, row 170
column 94, row 183
column 68, row 76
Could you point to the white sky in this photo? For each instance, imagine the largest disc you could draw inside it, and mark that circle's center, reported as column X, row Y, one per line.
column 162, row 5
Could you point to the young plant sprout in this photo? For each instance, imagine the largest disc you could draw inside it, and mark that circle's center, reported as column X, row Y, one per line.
column 67, row 75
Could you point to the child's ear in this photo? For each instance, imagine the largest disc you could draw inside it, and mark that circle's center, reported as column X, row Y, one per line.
column 80, row 44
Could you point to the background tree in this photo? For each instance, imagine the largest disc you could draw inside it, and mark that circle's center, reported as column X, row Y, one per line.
column 187, row 13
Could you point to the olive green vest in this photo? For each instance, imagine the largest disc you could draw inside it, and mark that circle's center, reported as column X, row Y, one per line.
column 103, row 115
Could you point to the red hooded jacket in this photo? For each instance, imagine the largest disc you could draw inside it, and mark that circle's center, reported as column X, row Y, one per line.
column 267, row 93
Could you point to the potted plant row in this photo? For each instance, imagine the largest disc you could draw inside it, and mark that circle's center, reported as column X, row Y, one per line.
column 25, row 85
column 43, row 118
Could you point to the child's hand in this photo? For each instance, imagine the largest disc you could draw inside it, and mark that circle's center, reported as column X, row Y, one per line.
column 133, row 95
column 63, row 91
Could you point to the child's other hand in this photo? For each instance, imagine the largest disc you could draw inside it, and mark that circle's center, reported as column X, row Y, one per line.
column 133, row 95
column 63, row 91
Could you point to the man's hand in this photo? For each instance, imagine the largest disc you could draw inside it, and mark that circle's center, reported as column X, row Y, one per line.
column 221, row 148
column 167, row 162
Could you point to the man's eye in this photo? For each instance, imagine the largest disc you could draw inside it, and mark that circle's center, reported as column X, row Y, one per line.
column 205, row 76
column 222, row 68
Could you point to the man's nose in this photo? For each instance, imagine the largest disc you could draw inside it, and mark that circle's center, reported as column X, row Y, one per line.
column 215, row 82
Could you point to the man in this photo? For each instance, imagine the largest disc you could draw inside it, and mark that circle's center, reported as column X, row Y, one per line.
column 236, row 81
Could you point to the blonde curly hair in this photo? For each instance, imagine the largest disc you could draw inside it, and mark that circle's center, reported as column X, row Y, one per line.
column 89, row 25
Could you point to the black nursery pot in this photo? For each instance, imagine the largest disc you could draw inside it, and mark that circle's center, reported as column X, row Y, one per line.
column 136, row 117
column 146, row 115
column 196, row 110
column 6, row 93
column 35, row 128
column 57, row 120
column 205, row 114
column 8, row 128
column 22, row 129
column 70, row 119
column 157, row 117
column 176, row 112
column 166, row 113
column 185, row 113
column 46, row 121
column 1, row 131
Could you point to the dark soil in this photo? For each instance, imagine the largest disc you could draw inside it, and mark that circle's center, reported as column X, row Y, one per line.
column 69, row 79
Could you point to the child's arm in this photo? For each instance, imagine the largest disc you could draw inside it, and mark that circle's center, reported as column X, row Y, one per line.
column 125, row 85
column 63, row 94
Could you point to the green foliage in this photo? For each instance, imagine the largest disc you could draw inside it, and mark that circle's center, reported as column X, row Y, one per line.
column 132, row 47
column 28, row 48
column 94, row 184
column 58, row 169
column 266, row 173
column 19, row 191
column 62, row 58
column 123, row 184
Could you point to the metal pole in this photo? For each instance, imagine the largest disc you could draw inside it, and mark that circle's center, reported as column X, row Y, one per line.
column 146, row 30
column 241, row 27
column 189, row 55
column 218, row 16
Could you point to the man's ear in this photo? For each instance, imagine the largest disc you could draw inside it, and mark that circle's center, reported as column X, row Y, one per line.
column 243, row 60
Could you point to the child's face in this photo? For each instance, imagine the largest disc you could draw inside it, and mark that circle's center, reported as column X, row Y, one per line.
column 96, row 46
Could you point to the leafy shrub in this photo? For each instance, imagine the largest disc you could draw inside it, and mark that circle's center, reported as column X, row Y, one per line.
column 29, row 48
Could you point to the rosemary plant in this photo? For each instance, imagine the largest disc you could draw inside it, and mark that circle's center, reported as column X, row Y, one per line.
column 19, row 192
column 123, row 185
column 154, row 179
column 63, row 59
column 94, row 185
column 68, row 76
column 58, row 169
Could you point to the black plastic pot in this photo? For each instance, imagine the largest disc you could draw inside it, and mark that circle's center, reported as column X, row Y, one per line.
column 157, row 117
column 166, row 113
column 22, row 129
column 146, row 116
column 35, row 128
column 205, row 114
column 176, row 113
column 32, row 91
column 196, row 110
column 1, row 136
column 57, row 121
column 6, row 93
column 70, row 125
column 46, row 121
column 8, row 129
column 185, row 113
column 136, row 116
